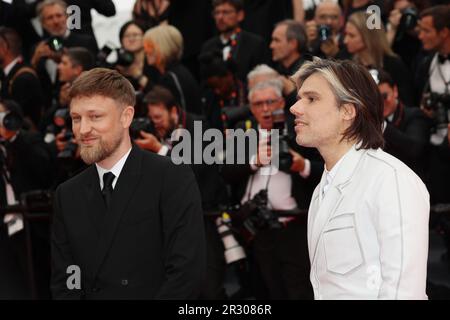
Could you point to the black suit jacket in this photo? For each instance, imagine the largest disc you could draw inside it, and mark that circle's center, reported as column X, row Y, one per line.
column 150, row 244
column 250, row 51
column 407, row 137
column 26, row 174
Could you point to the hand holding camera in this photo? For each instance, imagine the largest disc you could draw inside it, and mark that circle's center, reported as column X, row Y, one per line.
column 329, row 47
column 298, row 162
column 44, row 50
column 148, row 142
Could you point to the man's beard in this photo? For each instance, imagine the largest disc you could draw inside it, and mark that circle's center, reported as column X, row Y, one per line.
column 101, row 151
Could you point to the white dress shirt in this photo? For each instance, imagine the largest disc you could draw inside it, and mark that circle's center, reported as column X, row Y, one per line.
column 116, row 170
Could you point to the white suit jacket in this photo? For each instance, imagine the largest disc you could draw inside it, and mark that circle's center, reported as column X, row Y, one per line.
column 368, row 236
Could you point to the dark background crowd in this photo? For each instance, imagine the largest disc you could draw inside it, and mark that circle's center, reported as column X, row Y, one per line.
column 227, row 64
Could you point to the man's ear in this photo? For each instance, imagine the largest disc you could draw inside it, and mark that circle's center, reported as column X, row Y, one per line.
column 445, row 33
column 78, row 70
column 348, row 111
column 241, row 15
column 127, row 116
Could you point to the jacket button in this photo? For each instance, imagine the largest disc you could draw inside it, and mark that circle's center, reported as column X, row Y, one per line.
column 125, row 282
column 95, row 289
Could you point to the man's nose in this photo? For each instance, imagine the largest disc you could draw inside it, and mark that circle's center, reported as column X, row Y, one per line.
column 85, row 126
column 295, row 108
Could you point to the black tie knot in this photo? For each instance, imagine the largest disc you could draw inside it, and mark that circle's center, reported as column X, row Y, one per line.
column 108, row 179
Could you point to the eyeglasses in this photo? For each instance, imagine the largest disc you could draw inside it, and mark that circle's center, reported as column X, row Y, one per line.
column 216, row 13
column 133, row 36
column 269, row 103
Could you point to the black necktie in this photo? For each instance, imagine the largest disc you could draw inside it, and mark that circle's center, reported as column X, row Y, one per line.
column 107, row 191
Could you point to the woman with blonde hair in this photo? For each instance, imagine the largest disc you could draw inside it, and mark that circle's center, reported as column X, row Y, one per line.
column 370, row 48
column 163, row 46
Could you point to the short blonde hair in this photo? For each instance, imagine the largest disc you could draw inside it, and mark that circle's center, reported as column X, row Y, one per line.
column 168, row 40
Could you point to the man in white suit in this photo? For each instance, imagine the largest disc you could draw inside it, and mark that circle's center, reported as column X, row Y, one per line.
column 368, row 217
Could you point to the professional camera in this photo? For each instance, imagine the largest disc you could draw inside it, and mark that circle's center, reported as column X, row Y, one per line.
column 232, row 115
column 323, row 32
column 62, row 120
column 254, row 215
column 409, row 19
column 56, row 44
column 284, row 156
column 121, row 57
column 440, row 104
column 141, row 124
column 11, row 120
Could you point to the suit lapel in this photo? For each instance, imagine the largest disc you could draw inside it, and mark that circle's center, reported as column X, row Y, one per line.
column 123, row 192
column 323, row 209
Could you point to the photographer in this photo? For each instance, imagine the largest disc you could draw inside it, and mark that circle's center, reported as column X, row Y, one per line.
column 157, row 136
column 131, row 38
column 288, row 46
column 19, row 78
column 56, row 36
column 20, row 174
column 56, row 123
column 280, row 254
column 401, row 31
column 406, row 129
column 434, row 74
column 324, row 34
column 222, row 87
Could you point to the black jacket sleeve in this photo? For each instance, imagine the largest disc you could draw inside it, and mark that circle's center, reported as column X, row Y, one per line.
column 61, row 255
column 184, row 239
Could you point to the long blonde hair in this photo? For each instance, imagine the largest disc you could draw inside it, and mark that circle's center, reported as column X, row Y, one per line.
column 375, row 40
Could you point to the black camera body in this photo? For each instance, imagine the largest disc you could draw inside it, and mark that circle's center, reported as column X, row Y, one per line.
column 323, row 32
column 61, row 121
column 231, row 115
column 56, row 44
column 124, row 58
column 440, row 104
column 254, row 215
column 409, row 19
column 284, row 156
column 141, row 124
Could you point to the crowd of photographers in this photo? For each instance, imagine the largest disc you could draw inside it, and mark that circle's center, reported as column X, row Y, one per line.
column 227, row 65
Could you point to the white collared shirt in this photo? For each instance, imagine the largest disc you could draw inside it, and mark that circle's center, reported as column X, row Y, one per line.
column 332, row 173
column 116, row 170
column 11, row 65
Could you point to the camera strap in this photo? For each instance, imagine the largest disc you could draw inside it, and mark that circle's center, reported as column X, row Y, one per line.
column 249, row 193
column 180, row 90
